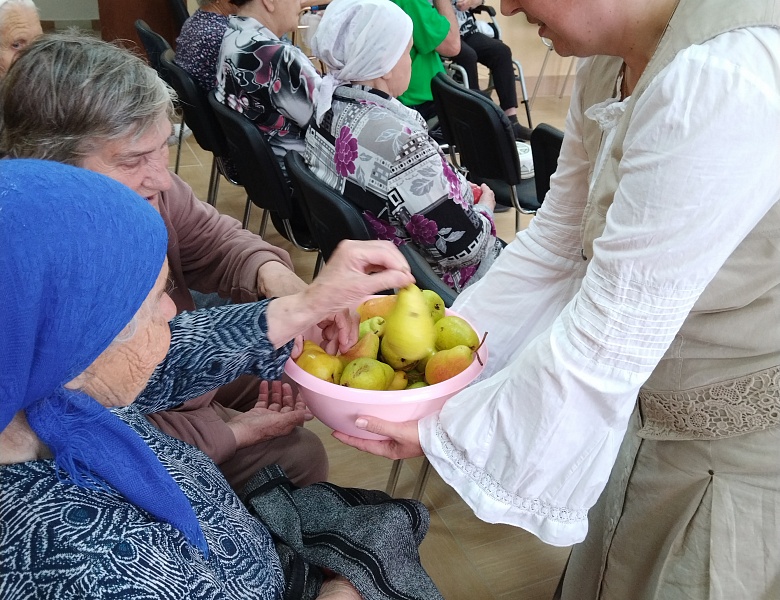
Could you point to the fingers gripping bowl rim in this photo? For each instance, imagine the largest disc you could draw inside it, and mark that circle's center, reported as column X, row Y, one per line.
column 338, row 406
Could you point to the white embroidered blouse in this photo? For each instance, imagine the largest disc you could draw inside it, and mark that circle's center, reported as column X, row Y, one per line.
column 571, row 342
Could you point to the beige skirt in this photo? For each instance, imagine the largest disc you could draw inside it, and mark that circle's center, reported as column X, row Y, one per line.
column 684, row 520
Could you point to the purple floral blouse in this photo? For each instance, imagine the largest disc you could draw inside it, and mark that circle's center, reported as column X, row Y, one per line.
column 267, row 79
column 378, row 154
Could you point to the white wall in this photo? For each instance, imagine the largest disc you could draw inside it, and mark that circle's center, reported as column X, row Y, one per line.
column 68, row 10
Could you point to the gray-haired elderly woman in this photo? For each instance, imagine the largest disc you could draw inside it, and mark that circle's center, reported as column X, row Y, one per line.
column 107, row 111
column 19, row 25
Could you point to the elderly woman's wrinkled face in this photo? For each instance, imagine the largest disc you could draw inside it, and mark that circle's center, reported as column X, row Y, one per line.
column 400, row 75
column 141, row 164
column 19, row 25
column 121, row 372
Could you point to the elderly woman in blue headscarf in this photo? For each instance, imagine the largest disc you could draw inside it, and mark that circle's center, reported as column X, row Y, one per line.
column 367, row 145
column 94, row 500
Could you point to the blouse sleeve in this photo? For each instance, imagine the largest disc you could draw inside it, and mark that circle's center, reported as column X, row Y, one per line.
column 533, row 445
column 210, row 348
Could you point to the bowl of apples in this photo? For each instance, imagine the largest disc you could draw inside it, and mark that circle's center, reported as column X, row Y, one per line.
column 413, row 354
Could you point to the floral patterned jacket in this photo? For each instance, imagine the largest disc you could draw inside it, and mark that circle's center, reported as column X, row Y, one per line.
column 377, row 152
column 267, row 79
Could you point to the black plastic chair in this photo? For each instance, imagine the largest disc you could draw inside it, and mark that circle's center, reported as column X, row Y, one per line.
column 333, row 218
column 546, row 142
column 260, row 174
column 200, row 117
column 180, row 12
column 459, row 74
column 482, row 144
column 155, row 45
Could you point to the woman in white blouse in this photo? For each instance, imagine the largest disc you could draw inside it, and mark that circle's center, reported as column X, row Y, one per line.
column 642, row 367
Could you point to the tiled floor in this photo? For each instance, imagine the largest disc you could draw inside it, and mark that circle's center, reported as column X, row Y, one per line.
column 468, row 559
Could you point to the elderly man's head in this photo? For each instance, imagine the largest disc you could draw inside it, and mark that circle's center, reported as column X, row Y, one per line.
column 19, row 25
column 88, row 103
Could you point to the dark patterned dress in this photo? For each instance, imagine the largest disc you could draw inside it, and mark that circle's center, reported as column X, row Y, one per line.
column 269, row 81
column 198, row 44
column 370, row 142
column 59, row 541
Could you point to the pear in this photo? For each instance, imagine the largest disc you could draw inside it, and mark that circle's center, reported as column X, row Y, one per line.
column 410, row 332
column 313, row 346
column 423, row 362
column 376, row 307
column 365, row 347
column 416, row 384
column 435, row 303
column 399, row 382
column 320, row 364
column 454, row 331
column 375, row 324
column 447, row 363
column 367, row 374
column 414, row 376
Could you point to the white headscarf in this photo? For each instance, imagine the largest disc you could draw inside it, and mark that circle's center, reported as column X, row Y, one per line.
column 358, row 40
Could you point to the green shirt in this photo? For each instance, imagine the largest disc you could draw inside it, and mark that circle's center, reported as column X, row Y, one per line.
column 430, row 29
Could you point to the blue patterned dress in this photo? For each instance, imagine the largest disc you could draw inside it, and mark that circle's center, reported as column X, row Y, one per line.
column 58, row 540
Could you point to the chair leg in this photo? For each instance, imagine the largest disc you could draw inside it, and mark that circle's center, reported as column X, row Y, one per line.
column 211, row 198
column 247, row 211
column 523, row 92
column 541, row 72
column 422, row 480
column 392, row 482
column 178, row 146
column 264, row 223
column 318, row 264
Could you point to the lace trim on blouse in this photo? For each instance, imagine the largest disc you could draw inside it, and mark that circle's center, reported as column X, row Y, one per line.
column 492, row 488
column 726, row 409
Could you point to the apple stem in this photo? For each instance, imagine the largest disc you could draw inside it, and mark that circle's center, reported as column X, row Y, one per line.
column 480, row 346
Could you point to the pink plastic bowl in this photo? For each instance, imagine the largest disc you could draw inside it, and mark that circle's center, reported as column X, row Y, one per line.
column 338, row 406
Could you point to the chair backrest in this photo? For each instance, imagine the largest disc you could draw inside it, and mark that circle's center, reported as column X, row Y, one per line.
column 546, row 142
column 331, row 217
column 180, row 12
column 198, row 113
column 154, row 44
column 479, row 130
column 257, row 165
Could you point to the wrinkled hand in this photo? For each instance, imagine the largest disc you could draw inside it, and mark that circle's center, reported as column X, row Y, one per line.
column 338, row 588
column 340, row 332
column 276, row 413
column 404, row 439
column 357, row 269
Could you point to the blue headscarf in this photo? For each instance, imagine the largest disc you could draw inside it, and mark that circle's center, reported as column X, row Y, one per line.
column 79, row 253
